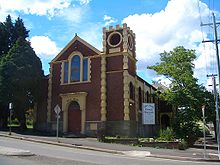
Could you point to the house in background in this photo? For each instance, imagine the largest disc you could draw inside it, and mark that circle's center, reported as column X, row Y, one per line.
column 98, row 89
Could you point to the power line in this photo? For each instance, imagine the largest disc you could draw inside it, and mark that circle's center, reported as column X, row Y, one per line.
column 205, row 48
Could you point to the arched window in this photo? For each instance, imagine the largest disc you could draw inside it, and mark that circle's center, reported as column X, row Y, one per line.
column 75, row 69
column 66, row 70
column 131, row 88
column 147, row 97
column 85, row 69
column 74, row 105
column 140, row 98
column 154, row 100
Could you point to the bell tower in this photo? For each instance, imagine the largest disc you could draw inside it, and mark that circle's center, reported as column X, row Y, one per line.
column 118, row 69
column 119, row 39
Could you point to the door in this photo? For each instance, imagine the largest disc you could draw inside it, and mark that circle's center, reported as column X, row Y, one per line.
column 74, row 117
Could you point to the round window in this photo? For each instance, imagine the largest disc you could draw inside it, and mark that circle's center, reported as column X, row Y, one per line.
column 130, row 42
column 114, row 39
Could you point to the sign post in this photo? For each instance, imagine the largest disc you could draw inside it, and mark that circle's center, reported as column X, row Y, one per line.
column 57, row 110
column 203, row 115
column 10, row 113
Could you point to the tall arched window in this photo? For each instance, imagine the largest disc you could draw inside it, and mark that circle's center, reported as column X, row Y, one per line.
column 140, row 98
column 75, row 68
column 131, row 88
column 85, row 69
column 66, row 69
column 147, row 97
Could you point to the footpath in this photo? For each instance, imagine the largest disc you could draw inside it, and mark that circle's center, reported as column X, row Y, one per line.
column 191, row 154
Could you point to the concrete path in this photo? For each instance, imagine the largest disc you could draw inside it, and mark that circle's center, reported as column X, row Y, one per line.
column 14, row 152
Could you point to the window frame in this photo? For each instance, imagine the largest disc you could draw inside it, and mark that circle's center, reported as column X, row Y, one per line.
column 81, row 77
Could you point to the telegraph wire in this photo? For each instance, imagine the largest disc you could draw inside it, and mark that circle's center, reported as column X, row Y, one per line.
column 203, row 38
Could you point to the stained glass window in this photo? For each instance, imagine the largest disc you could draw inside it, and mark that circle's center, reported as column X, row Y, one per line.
column 85, row 69
column 75, row 69
column 66, row 69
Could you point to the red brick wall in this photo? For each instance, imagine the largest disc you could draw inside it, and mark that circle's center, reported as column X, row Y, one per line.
column 93, row 89
column 131, row 67
column 114, row 63
column 115, row 101
column 56, row 99
column 77, row 46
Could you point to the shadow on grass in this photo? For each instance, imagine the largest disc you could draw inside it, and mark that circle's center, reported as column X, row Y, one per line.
column 28, row 131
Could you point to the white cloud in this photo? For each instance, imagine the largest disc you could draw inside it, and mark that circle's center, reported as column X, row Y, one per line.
column 46, row 50
column 48, row 8
column 93, row 35
column 162, row 80
column 72, row 14
column 106, row 18
column 37, row 7
column 84, row 2
column 109, row 20
column 44, row 47
column 177, row 25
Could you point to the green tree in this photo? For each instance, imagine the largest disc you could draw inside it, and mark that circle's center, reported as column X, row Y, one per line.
column 23, row 71
column 6, row 72
column 19, row 30
column 210, row 109
column 12, row 60
column 6, row 32
column 10, row 32
column 184, row 92
column 9, row 29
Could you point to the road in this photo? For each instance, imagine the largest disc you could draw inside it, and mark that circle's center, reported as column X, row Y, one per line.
column 51, row 154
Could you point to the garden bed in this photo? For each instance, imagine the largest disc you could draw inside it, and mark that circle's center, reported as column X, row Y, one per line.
column 136, row 141
column 132, row 141
column 168, row 145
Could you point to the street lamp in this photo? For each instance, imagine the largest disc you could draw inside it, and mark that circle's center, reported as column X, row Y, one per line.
column 10, row 113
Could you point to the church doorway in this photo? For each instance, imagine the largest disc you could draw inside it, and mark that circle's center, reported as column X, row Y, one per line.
column 165, row 121
column 74, row 117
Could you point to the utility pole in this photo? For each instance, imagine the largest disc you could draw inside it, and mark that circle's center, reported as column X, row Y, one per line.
column 217, row 114
column 215, row 41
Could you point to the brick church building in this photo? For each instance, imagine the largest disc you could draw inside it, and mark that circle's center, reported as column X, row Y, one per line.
column 99, row 89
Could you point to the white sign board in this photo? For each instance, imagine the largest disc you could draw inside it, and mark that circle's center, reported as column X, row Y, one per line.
column 57, row 109
column 148, row 113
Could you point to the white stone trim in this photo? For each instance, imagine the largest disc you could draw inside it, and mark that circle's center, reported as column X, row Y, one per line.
column 109, row 37
column 76, row 38
column 67, row 98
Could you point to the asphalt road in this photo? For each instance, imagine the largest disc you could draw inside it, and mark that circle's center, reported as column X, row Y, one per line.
column 51, row 154
column 38, row 160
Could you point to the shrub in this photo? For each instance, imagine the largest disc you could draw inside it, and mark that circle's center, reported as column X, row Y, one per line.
column 166, row 134
column 186, row 127
column 182, row 145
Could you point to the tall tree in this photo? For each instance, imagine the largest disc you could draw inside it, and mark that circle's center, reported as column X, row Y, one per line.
column 10, row 32
column 9, row 27
column 184, row 92
column 6, row 72
column 20, row 30
column 24, row 81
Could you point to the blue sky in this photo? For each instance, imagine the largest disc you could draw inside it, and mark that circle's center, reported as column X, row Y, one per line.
column 158, row 24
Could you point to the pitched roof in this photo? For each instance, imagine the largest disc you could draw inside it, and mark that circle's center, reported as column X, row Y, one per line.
column 76, row 38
